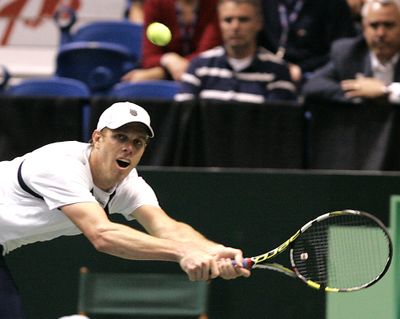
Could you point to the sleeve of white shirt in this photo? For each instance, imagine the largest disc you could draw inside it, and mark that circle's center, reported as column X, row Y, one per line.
column 60, row 183
column 394, row 92
column 131, row 194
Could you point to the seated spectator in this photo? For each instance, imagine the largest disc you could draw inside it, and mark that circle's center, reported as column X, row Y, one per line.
column 239, row 70
column 365, row 68
column 302, row 31
column 136, row 14
column 194, row 27
column 355, row 8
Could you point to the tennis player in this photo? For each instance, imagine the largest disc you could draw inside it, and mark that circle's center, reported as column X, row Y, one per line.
column 69, row 188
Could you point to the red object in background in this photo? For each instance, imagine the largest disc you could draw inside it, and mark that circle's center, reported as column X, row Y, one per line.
column 12, row 11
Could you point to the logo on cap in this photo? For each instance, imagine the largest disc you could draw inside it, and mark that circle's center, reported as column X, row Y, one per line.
column 133, row 112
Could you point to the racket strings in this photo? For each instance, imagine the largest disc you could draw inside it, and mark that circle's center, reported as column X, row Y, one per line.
column 342, row 252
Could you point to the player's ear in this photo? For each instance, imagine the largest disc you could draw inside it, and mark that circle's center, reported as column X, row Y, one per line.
column 96, row 136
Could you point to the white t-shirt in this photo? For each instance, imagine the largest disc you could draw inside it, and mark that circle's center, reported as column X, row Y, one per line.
column 60, row 174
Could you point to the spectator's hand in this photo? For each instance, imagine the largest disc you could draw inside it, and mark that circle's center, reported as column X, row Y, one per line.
column 295, row 72
column 175, row 64
column 156, row 73
column 363, row 87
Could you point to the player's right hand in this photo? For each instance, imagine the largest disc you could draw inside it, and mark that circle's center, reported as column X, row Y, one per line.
column 200, row 266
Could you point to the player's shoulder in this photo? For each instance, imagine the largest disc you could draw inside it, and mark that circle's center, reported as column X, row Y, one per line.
column 133, row 174
column 134, row 184
column 58, row 163
column 62, row 148
column 60, row 154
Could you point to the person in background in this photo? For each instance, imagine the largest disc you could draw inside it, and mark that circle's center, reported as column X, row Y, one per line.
column 239, row 70
column 355, row 8
column 135, row 11
column 365, row 68
column 302, row 31
column 70, row 188
column 194, row 27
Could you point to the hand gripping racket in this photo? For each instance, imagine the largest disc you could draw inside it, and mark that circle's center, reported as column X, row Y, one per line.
column 340, row 251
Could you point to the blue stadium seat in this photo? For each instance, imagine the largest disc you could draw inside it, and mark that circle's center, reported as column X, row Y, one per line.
column 98, row 64
column 122, row 32
column 4, row 78
column 52, row 87
column 55, row 86
column 152, row 89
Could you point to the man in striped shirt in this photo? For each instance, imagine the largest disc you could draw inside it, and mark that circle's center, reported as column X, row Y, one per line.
column 239, row 70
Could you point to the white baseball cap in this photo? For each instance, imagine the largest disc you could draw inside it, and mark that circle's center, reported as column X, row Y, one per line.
column 122, row 113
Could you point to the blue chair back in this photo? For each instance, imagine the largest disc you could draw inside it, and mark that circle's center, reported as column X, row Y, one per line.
column 124, row 33
column 98, row 64
column 121, row 32
column 152, row 89
column 4, row 78
column 55, row 86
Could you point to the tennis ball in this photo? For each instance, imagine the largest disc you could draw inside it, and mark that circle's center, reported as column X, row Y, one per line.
column 158, row 34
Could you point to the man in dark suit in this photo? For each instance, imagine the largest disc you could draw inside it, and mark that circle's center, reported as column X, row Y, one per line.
column 365, row 68
column 302, row 31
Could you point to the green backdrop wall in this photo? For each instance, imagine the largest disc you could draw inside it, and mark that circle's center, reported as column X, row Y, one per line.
column 251, row 209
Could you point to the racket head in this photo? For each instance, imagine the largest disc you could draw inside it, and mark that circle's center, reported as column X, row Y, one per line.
column 342, row 251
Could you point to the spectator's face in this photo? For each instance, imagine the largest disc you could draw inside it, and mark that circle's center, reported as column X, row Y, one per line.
column 239, row 24
column 381, row 27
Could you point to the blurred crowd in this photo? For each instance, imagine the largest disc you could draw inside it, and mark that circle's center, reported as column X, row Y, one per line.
column 274, row 50
column 257, row 51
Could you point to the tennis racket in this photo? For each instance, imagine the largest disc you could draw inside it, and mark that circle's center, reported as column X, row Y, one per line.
column 340, row 251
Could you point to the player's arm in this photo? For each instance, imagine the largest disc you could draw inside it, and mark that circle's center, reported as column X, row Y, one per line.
column 159, row 224
column 125, row 242
column 117, row 239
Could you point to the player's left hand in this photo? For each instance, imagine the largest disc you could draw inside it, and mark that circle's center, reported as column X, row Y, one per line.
column 225, row 256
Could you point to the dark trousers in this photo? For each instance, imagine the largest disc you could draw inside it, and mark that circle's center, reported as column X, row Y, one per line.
column 10, row 301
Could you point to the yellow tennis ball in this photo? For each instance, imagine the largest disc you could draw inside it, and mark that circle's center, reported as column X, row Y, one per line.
column 158, row 34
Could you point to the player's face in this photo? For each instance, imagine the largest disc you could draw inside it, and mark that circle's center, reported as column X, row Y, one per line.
column 239, row 24
column 381, row 29
column 116, row 152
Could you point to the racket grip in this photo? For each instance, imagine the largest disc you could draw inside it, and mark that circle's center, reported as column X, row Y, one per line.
column 247, row 263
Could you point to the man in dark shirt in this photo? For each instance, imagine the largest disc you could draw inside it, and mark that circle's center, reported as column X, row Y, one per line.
column 239, row 70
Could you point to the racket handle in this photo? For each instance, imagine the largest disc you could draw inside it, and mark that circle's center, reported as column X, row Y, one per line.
column 247, row 263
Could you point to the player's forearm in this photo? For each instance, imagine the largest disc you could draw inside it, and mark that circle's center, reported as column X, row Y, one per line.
column 120, row 240
column 125, row 242
column 182, row 232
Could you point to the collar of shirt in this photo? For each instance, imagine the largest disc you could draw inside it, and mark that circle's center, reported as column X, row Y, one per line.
column 240, row 64
column 384, row 72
